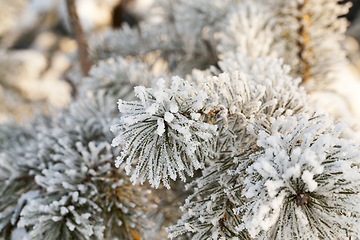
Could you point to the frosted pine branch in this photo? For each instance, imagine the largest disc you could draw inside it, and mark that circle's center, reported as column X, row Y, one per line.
column 164, row 133
column 262, row 163
column 303, row 183
column 300, row 179
column 117, row 77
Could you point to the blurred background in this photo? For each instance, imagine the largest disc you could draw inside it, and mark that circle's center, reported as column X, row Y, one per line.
column 351, row 43
column 38, row 50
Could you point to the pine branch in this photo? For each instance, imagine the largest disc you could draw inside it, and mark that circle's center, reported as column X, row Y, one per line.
column 79, row 36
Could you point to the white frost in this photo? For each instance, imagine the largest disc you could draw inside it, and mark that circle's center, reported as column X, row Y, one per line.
column 161, row 127
column 168, row 117
column 307, row 177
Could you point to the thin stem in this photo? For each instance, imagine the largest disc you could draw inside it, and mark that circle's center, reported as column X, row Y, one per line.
column 79, row 36
column 304, row 52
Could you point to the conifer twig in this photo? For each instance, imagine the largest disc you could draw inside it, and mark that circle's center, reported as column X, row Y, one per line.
column 79, row 36
column 304, row 52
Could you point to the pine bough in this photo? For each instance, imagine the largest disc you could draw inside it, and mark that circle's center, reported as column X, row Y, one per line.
column 261, row 161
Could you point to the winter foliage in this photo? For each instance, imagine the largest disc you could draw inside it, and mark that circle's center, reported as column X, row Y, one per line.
column 164, row 131
column 303, row 182
column 211, row 95
column 116, row 77
column 71, row 170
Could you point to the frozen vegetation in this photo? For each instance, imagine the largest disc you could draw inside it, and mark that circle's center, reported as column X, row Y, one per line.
column 200, row 122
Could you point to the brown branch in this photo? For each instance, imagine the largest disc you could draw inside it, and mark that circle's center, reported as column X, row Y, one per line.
column 304, row 52
column 211, row 112
column 25, row 177
column 79, row 36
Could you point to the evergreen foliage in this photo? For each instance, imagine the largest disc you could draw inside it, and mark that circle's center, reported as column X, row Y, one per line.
column 234, row 121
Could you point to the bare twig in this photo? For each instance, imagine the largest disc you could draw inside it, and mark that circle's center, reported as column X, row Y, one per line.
column 79, row 36
column 304, row 52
